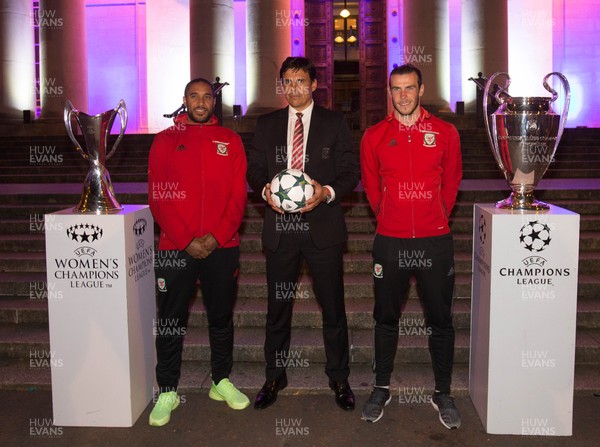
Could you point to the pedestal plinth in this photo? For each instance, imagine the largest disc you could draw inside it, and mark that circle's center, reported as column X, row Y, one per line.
column 101, row 323
column 523, row 320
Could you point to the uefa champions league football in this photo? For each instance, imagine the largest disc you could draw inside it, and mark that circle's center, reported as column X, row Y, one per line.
column 290, row 189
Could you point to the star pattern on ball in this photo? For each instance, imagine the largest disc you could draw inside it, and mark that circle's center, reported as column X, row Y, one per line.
column 283, row 194
column 290, row 189
column 84, row 232
column 300, row 181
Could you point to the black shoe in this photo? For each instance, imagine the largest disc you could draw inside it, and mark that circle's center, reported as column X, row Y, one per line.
column 344, row 397
column 268, row 393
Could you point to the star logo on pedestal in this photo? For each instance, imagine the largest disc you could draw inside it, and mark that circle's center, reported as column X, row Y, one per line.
column 84, row 232
column 139, row 227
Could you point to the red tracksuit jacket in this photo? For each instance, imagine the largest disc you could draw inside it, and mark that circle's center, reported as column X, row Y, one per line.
column 197, row 183
column 411, row 175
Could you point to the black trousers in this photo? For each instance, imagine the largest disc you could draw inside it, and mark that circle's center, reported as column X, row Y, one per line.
column 326, row 269
column 431, row 261
column 176, row 275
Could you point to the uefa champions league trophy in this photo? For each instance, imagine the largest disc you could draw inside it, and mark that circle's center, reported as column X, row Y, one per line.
column 524, row 133
column 97, row 196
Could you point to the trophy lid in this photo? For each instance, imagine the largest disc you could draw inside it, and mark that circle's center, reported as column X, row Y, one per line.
column 531, row 104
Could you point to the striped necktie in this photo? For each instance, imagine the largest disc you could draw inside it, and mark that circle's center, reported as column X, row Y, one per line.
column 298, row 143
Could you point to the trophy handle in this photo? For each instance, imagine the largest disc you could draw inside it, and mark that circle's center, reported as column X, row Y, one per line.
column 121, row 109
column 567, row 89
column 491, row 139
column 69, row 109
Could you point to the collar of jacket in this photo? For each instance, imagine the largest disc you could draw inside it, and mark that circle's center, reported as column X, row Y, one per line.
column 425, row 115
column 183, row 118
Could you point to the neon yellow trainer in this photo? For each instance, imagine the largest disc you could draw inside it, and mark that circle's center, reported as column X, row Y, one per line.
column 161, row 413
column 229, row 393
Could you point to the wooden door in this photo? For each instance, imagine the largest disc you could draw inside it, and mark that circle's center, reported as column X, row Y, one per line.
column 319, row 47
column 373, row 62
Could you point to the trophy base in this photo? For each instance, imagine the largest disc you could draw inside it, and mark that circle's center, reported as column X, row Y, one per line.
column 522, row 202
column 78, row 210
column 102, row 206
column 98, row 199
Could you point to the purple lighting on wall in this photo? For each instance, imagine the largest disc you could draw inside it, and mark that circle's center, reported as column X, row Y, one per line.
column 298, row 24
column 116, row 58
column 576, row 54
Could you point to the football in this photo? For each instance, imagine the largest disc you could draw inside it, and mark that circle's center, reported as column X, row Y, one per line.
column 290, row 189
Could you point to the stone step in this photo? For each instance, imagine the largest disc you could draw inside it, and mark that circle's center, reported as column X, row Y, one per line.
column 22, row 242
column 132, row 141
column 361, row 262
column 79, row 176
column 32, row 157
column 469, row 190
column 22, row 341
column 414, row 380
column 253, row 225
column 59, row 163
column 29, row 209
column 356, row 208
column 250, row 312
column 253, row 285
column 251, row 243
column 139, row 174
column 564, row 154
column 27, row 341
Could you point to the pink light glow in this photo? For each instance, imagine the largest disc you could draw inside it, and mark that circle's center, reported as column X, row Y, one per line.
column 116, row 63
column 577, row 56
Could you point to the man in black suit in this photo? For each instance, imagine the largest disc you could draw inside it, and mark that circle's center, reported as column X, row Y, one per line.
column 320, row 144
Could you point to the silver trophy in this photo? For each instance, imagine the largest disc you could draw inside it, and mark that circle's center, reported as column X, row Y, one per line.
column 524, row 133
column 97, row 196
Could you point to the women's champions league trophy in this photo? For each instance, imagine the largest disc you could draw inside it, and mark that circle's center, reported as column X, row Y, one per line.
column 523, row 133
column 97, row 196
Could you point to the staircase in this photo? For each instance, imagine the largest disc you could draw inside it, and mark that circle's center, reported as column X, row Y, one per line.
column 40, row 175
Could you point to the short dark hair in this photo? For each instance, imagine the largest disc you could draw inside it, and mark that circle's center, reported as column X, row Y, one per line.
column 193, row 81
column 299, row 63
column 406, row 69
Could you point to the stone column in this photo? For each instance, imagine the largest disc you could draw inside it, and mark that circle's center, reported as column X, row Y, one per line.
column 63, row 60
column 427, row 45
column 268, row 44
column 484, row 43
column 17, row 60
column 530, row 45
column 212, row 45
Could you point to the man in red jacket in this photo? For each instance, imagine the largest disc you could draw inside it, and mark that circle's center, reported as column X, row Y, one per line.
column 411, row 169
column 197, row 194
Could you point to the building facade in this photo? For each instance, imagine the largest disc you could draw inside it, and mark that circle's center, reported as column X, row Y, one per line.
column 96, row 52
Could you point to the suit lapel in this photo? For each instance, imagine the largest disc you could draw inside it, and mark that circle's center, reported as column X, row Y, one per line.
column 313, row 133
column 280, row 128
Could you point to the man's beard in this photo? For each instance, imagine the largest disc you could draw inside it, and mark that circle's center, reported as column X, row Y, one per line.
column 205, row 120
column 405, row 115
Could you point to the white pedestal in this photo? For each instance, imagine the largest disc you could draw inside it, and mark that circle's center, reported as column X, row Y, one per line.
column 523, row 320
column 101, row 328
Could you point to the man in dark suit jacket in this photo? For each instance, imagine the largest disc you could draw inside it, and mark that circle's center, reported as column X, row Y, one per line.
column 317, row 234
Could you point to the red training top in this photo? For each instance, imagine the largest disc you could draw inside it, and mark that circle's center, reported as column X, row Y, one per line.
column 411, row 175
column 197, row 183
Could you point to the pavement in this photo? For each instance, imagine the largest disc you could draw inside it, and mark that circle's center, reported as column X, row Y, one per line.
column 294, row 420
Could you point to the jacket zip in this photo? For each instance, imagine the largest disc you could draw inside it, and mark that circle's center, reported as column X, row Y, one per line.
column 410, row 168
column 201, row 180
